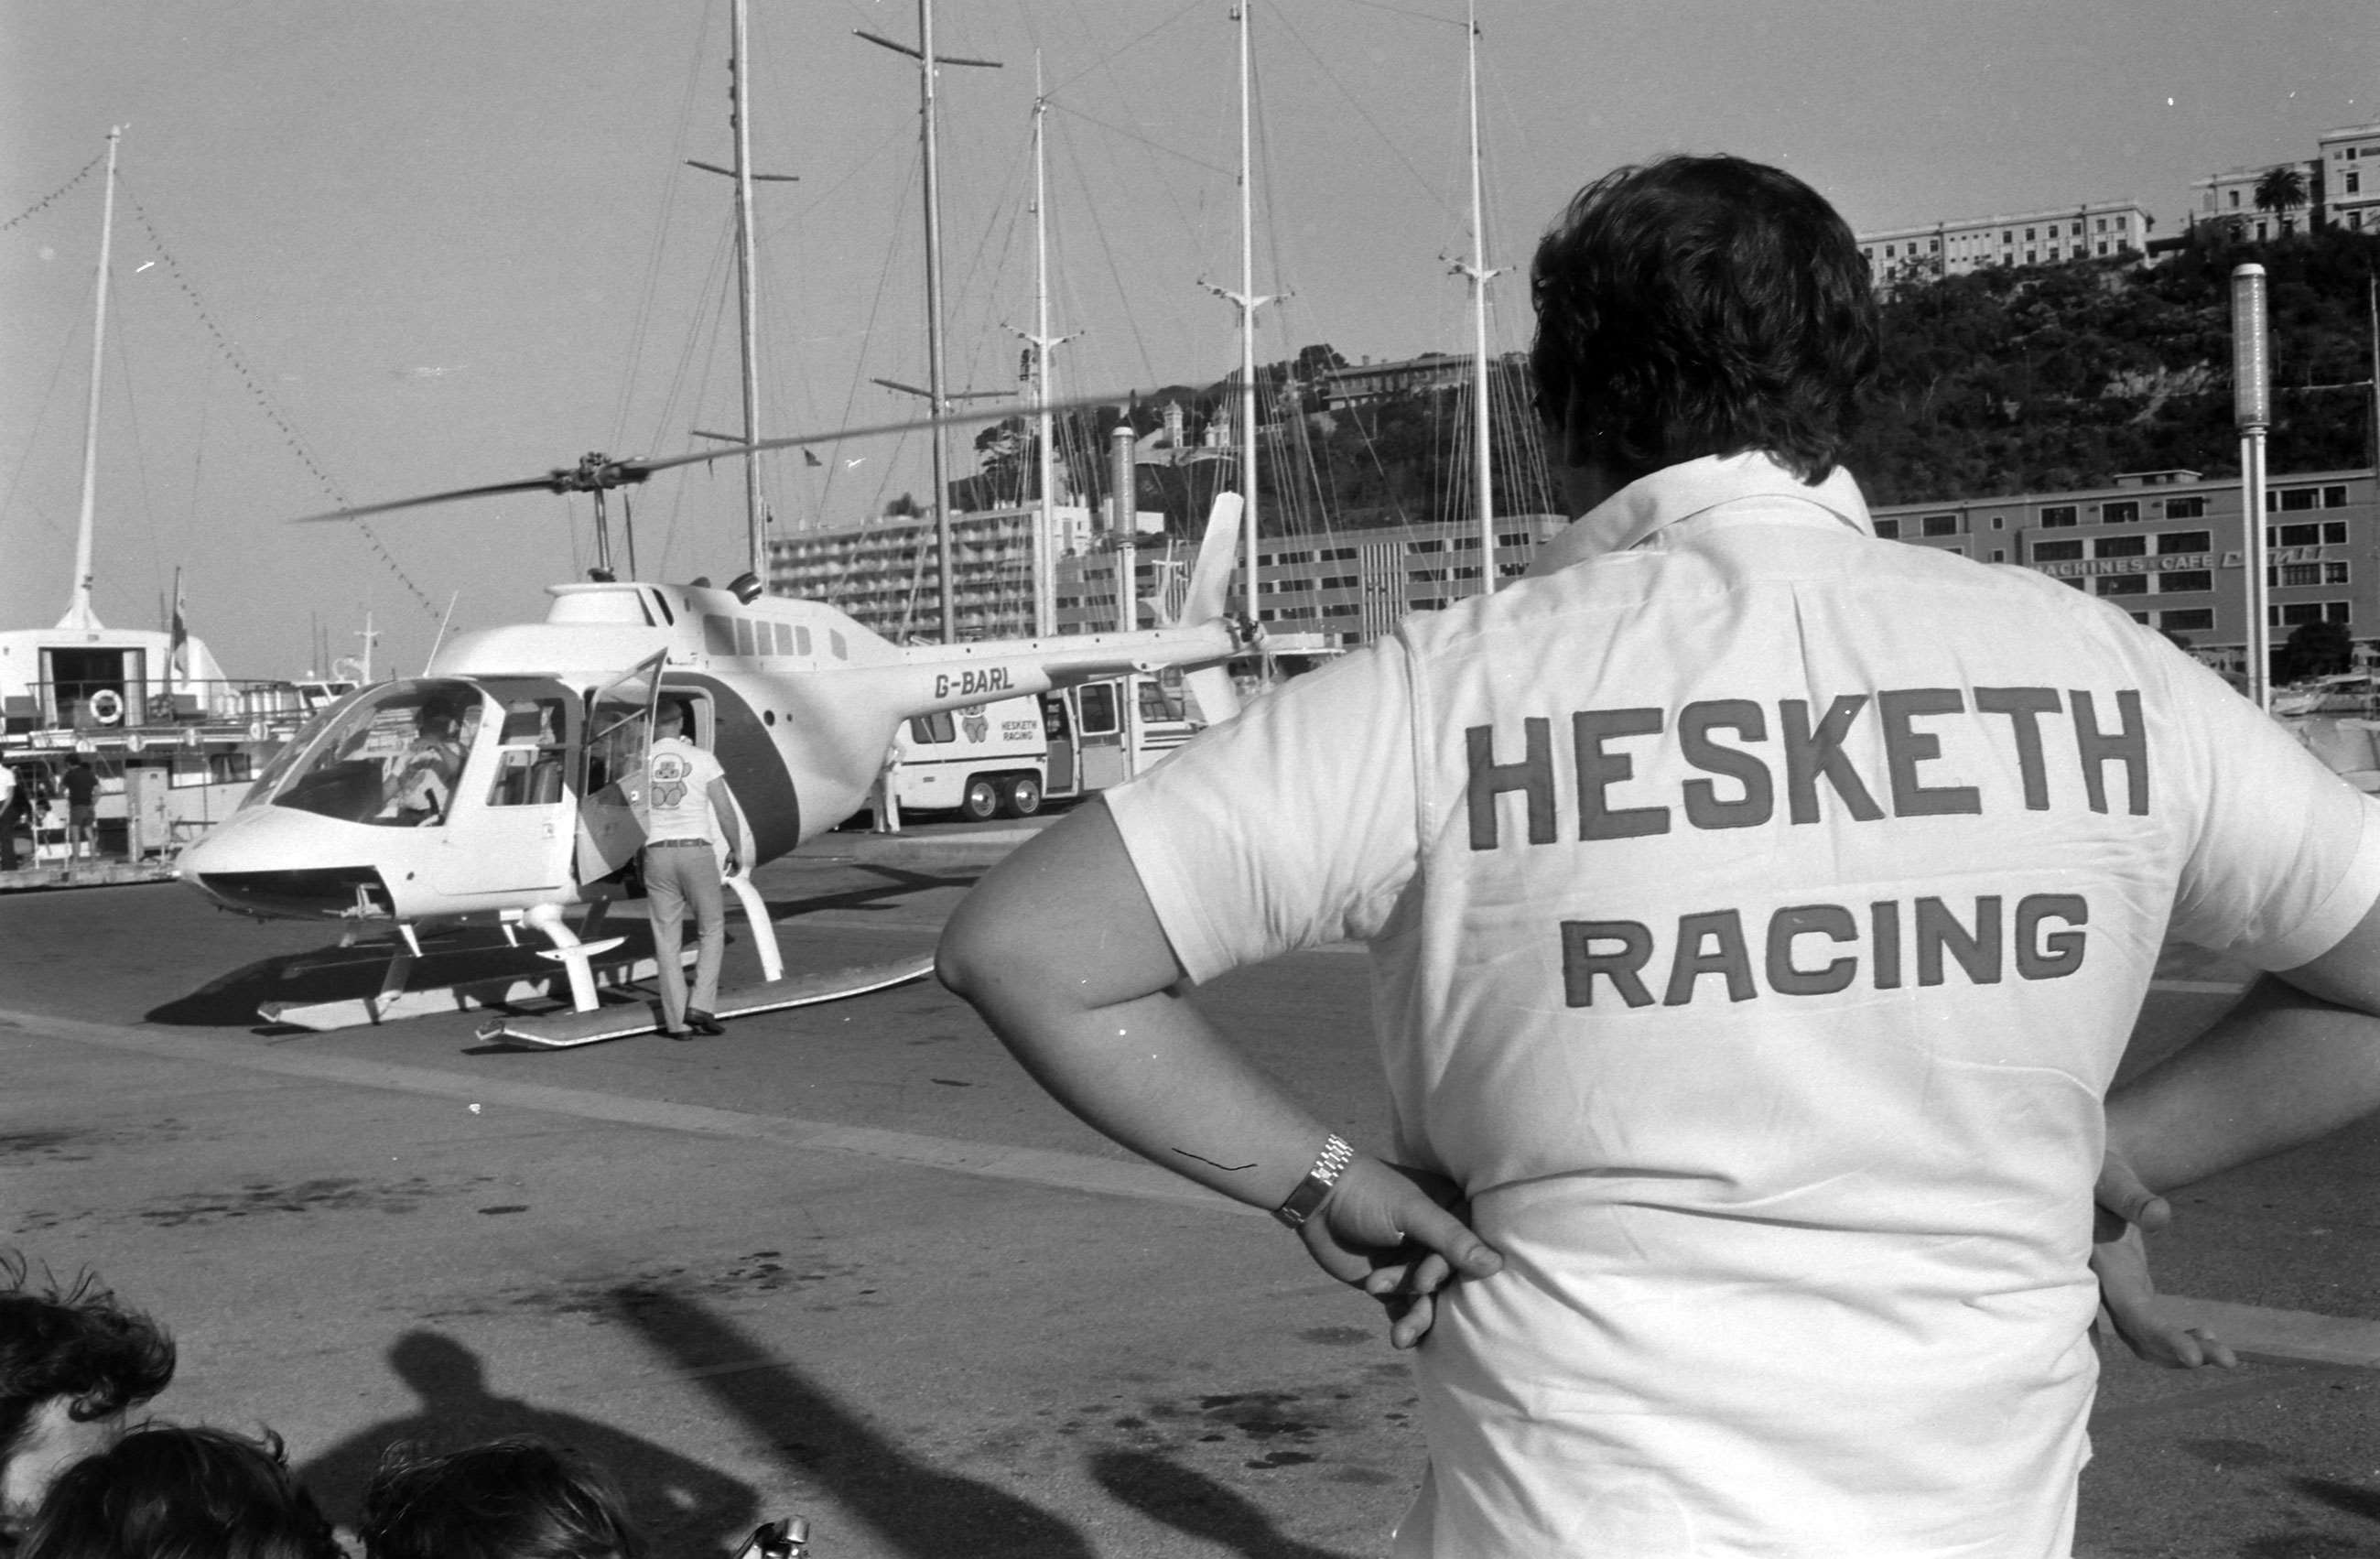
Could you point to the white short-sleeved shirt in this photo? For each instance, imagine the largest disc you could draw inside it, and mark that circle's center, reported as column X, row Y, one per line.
column 1758, row 913
column 675, row 801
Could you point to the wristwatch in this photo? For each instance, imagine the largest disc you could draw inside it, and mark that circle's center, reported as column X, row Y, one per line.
column 1329, row 1164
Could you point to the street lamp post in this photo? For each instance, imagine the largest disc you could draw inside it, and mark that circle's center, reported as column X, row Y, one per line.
column 2251, row 410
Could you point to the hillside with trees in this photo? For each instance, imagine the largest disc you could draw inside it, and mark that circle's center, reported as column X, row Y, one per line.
column 2004, row 380
column 2015, row 379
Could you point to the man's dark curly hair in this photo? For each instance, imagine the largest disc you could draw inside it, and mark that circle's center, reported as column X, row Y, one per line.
column 78, row 1343
column 166, row 1492
column 505, row 1499
column 1703, row 306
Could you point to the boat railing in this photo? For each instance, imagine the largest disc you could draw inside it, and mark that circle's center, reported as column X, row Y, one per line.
column 66, row 712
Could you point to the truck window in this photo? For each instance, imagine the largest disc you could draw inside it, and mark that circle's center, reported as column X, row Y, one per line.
column 1054, row 716
column 1161, row 702
column 1097, row 703
column 935, row 727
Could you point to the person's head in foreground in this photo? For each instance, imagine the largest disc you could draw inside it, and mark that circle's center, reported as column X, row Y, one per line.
column 1698, row 306
column 508, row 1499
column 168, row 1492
column 72, row 1363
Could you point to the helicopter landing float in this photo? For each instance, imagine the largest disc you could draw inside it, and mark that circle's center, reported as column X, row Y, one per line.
column 494, row 788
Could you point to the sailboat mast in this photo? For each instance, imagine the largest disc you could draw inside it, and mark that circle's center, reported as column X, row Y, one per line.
column 1247, row 330
column 746, row 262
column 1045, row 562
column 79, row 611
column 936, row 397
column 1483, row 484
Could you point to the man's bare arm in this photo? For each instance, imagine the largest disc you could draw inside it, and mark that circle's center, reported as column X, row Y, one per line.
column 2296, row 1060
column 1061, row 952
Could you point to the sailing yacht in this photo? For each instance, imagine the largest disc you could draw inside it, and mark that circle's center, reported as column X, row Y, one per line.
column 174, row 740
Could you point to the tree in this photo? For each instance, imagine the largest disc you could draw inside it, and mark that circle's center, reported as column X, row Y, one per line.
column 2314, row 650
column 2281, row 191
column 1314, row 360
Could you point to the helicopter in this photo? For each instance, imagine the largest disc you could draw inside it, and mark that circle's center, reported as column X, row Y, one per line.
column 493, row 789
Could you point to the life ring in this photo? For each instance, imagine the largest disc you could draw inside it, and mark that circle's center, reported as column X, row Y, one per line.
column 106, row 706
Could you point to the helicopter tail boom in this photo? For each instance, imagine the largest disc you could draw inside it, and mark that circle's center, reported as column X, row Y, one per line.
column 1210, row 575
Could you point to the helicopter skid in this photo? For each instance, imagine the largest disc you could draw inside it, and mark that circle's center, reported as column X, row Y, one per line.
column 392, row 1007
column 567, row 1031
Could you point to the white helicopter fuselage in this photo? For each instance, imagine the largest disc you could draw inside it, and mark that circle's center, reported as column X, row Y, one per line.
column 530, row 731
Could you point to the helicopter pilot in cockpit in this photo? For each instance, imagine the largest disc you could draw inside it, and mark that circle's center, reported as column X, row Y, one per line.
column 424, row 787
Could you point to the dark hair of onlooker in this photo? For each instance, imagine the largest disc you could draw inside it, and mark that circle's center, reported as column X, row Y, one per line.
column 78, row 1344
column 1703, row 306
column 168, row 1492
column 507, row 1499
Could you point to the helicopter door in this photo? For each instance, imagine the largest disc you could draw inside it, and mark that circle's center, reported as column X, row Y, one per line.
column 509, row 826
column 619, row 728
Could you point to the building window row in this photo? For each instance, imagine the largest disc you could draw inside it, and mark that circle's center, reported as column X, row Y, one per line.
column 2324, row 533
column 2296, row 614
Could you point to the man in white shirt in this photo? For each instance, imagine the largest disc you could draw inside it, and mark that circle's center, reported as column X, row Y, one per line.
column 1759, row 911
column 687, row 810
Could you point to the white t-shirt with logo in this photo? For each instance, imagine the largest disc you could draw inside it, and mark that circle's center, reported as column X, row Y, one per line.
column 676, row 802
column 1758, row 913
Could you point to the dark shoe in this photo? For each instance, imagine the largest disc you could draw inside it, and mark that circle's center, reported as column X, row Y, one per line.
column 677, row 1033
column 702, row 1022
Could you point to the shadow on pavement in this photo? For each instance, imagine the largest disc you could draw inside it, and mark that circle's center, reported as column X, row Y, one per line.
column 682, row 1504
column 336, row 974
column 2352, row 1498
column 919, row 1510
column 1196, row 1505
column 899, row 882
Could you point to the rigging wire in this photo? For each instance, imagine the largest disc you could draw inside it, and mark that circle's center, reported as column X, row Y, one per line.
column 641, row 322
column 120, row 347
column 33, row 437
column 265, row 402
column 45, row 203
column 1127, row 47
column 1356, row 102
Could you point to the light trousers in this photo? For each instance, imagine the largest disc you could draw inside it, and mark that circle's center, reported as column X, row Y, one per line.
column 676, row 878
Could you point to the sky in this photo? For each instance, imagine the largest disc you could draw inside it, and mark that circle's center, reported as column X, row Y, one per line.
column 395, row 247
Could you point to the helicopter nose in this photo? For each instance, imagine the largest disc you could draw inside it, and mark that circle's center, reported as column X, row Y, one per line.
column 262, row 862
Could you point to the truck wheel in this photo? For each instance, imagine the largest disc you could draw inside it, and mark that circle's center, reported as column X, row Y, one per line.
column 981, row 800
column 1024, row 796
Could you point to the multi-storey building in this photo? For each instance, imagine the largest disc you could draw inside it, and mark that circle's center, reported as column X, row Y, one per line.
column 2168, row 547
column 2348, row 181
column 2230, row 196
column 883, row 574
column 1352, row 585
column 2094, row 230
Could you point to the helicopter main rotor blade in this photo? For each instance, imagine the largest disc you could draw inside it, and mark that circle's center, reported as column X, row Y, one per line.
column 588, row 477
column 534, row 484
column 951, row 418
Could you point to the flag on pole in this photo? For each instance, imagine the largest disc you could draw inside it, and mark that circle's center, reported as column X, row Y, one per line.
column 808, row 458
column 177, row 658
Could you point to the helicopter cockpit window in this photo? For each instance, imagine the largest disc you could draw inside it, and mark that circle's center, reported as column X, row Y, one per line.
column 530, row 757
column 295, row 749
column 391, row 758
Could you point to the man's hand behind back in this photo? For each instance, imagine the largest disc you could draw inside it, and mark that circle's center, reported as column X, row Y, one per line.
column 1400, row 1235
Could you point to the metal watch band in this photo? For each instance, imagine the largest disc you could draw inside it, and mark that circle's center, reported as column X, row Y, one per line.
column 1329, row 1164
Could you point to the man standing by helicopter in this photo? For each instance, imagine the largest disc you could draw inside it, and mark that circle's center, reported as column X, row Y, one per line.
column 687, row 809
